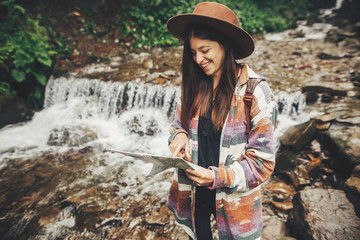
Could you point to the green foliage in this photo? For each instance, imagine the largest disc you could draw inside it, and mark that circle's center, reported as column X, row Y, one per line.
column 25, row 51
column 144, row 23
column 6, row 90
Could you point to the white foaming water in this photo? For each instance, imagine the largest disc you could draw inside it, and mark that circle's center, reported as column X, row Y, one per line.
column 329, row 11
column 301, row 33
column 304, row 32
column 107, row 108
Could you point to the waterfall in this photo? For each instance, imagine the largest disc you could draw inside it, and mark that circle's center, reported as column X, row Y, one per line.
column 290, row 104
column 108, row 99
column 327, row 12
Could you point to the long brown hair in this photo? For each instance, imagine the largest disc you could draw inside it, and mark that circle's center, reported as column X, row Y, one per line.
column 197, row 87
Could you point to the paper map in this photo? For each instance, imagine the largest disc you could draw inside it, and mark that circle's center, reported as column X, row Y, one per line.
column 160, row 163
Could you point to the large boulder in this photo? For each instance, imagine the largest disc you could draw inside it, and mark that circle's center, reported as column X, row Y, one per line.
column 323, row 214
column 353, row 189
column 343, row 144
column 298, row 136
column 285, row 161
column 71, row 136
column 274, row 228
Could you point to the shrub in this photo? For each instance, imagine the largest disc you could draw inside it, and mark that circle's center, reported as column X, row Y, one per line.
column 25, row 52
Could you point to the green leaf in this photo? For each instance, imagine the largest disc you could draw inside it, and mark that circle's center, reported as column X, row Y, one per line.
column 41, row 78
column 7, row 2
column 19, row 8
column 37, row 93
column 45, row 61
column 18, row 75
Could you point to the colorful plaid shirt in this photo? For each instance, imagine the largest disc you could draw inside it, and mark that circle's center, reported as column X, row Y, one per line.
column 245, row 162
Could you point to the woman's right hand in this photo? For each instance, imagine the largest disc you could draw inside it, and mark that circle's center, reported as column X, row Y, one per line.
column 180, row 147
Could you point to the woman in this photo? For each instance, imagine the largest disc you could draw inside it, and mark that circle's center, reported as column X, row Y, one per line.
column 210, row 128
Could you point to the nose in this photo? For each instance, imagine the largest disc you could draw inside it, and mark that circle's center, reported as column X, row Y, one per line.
column 198, row 57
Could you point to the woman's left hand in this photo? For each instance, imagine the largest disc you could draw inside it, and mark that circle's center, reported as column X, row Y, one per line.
column 201, row 177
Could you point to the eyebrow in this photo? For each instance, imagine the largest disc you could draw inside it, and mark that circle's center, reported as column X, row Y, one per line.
column 200, row 48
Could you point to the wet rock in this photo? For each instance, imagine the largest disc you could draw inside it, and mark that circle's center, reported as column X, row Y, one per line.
column 327, row 56
column 283, row 206
column 300, row 176
column 297, row 34
column 324, row 118
column 73, row 136
column 353, row 189
column 326, row 98
column 322, row 89
column 313, row 168
column 323, row 126
column 143, row 126
column 31, row 189
column 148, row 63
column 311, row 97
column 323, row 214
column 355, row 80
column 353, row 183
column 346, row 34
column 13, row 110
column 146, row 234
column 343, row 144
column 279, row 187
column 296, row 137
column 156, row 218
column 285, row 160
column 280, row 197
column 274, row 228
column 315, row 146
column 346, row 112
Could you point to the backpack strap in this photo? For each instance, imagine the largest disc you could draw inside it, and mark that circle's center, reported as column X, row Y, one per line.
column 248, row 98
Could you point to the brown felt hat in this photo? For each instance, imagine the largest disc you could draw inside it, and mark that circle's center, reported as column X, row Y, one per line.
column 219, row 17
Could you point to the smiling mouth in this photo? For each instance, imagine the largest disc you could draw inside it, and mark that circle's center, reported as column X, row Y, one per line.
column 204, row 65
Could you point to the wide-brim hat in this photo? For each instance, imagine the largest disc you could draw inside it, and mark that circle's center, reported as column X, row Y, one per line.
column 219, row 17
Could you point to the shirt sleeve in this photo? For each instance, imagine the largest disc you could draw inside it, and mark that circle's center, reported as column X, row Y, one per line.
column 176, row 126
column 257, row 164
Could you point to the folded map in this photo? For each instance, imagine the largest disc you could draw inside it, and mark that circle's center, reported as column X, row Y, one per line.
column 160, row 163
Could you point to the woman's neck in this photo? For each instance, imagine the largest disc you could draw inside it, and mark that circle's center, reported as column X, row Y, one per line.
column 216, row 80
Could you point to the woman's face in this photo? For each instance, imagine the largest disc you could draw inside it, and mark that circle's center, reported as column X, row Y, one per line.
column 209, row 55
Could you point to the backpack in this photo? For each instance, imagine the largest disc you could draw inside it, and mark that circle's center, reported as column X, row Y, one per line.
column 248, row 98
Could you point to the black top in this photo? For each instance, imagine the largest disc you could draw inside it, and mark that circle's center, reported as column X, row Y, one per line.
column 208, row 140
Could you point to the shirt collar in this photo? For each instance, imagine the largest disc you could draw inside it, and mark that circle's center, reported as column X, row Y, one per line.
column 245, row 72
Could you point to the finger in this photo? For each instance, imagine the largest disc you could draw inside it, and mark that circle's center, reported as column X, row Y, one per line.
column 192, row 172
column 182, row 155
column 187, row 150
column 191, row 177
column 176, row 151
